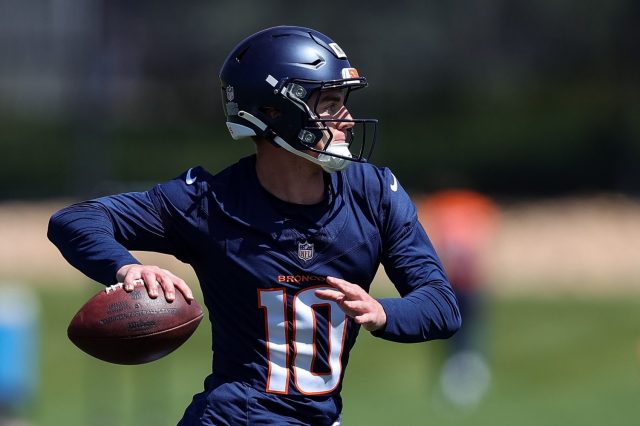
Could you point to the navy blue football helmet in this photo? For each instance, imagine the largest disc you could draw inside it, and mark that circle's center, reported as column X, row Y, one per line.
column 279, row 69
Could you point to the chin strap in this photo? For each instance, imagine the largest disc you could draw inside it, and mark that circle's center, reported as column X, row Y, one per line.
column 328, row 162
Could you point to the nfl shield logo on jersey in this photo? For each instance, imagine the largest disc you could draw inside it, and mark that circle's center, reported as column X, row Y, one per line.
column 305, row 251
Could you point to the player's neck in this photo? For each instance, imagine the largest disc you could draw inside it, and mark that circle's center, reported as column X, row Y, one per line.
column 289, row 177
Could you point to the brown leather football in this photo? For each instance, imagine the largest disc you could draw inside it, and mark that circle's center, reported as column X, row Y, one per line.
column 132, row 328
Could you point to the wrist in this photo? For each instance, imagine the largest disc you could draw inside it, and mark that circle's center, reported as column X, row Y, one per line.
column 382, row 318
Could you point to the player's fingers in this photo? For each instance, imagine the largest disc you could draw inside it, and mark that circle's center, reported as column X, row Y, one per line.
column 327, row 294
column 167, row 287
column 184, row 289
column 131, row 281
column 372, row 319
column 366, row 320
column 363, row 319
column 134, row 283
column 182, row 286
column 349, row 312
column 349, row 289
column 357, row 306
column 359, row 319
column 151, row 282
column 131, row 278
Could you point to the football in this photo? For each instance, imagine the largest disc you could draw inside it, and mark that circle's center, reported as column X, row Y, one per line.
column 132, row 328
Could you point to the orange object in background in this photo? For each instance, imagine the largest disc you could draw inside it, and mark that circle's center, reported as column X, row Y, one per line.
column 460, row 224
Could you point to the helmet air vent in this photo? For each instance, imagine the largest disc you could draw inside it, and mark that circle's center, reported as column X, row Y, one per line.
column 315, row 64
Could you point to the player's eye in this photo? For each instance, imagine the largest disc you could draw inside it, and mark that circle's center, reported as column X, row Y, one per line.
column 331, row 102
column 329, row 108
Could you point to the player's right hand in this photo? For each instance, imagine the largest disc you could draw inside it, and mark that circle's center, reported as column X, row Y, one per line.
column 154, row 278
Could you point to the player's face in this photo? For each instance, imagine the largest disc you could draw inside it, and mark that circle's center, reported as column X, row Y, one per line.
column 329, row 105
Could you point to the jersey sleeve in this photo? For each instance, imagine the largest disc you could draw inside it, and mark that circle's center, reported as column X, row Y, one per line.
column 96, row 236
column 427, row 308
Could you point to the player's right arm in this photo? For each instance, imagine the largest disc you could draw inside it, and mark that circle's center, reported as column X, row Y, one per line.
column 96, row 236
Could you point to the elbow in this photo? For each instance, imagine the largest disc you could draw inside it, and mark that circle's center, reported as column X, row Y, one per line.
column 60, row 226
column 451, row 320
column 449, row 328
column 453, row 323
column 450, row 317
column 454, row 319
column 54, row 230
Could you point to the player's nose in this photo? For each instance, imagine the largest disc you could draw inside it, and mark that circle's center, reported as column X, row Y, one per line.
column 344, row 114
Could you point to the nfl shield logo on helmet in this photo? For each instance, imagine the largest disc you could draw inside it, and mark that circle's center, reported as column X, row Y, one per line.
column 305, row 251
column 230, row 93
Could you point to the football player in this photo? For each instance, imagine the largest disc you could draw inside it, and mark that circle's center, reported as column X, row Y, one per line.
column 285, row 243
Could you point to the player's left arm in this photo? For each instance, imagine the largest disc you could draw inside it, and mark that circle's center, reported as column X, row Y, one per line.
column 427, row 308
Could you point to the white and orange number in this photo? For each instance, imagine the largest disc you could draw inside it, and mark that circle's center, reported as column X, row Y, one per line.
column 305, row 303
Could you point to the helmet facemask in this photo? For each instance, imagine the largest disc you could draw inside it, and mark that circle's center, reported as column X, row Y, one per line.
column 315, row 133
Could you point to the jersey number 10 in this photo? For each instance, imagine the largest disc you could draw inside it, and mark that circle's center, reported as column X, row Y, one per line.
column 303, row 338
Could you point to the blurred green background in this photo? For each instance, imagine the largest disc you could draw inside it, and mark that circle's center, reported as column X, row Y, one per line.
column 554, row 362
column 533, row 103
column 526, row 98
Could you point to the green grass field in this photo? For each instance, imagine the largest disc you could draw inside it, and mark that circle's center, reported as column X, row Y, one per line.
column 562, row 361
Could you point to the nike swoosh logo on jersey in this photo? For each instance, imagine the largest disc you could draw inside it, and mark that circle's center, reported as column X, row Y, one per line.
column 190, row 179
column 394, row 185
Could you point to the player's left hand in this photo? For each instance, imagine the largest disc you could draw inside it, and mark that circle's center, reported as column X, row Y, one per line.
column 355, row 302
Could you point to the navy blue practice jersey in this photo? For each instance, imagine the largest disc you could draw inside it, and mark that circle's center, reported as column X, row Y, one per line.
column 260, row 260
